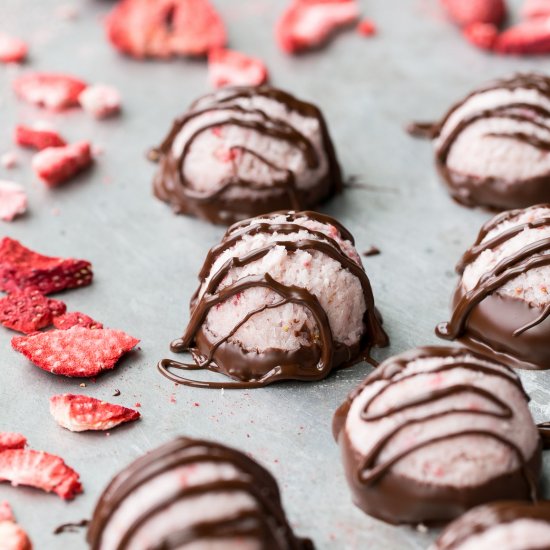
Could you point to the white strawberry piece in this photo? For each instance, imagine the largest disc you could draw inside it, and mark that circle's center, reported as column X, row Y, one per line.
column 100, row 100
column 13, row 200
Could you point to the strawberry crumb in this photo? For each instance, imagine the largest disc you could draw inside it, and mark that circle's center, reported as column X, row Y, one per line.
column 138, row 405
column 12, row 49
column 366, row 27
column 9, row 160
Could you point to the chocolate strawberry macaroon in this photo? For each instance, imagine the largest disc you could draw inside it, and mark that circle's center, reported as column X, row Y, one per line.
column 282, row 297
column 193, row 494
column 245, row 151
column 506, row 525
column 501, row 306
column 493, row 147
column 435, row 431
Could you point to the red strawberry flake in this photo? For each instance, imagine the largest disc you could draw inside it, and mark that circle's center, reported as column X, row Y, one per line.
column 28, row 310
column 466, row 12
column 12, row 537
column 535, row 8
column 56, row 165
column 165, row 28
column 79, row 413
column 310, row 23
column 41, row 470
column 231, row 68
column 366, row 27
column 12, row 49
column 22, row 268
column 482, row 35
column 12, row 440
column 529, row 37
column 50, row 90
column 75, row 319
column 13, row 200
column 100, row 100
column 35, row 138
column 76, row 352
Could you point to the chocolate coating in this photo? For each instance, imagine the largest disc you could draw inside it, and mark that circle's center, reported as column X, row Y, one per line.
column 257, row 369
column 381, row 492
column 267, row 524
column 492, row 192
column 483, row 518
column 508, row 329
column 280, row 194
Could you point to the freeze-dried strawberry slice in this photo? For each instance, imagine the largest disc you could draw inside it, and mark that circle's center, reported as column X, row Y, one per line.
column 12, row 49
column 36, row 138
column 100, row 100
column 79, row 413
column 13, row 200
column 535, row 8
column 466, row 12
column 56, row 165
column 529, row 37
column 13, row 537
column 23, row 268
column 78, row 351
column 29, row 310
column 75, row 319
column 50, row 90
column 309, row 23
column 12, row 440
column 231, row 68
column 41, row 470
column 165, row 28
column 482, row 35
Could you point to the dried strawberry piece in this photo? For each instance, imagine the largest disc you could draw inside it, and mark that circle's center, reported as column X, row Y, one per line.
column 56, row 165
column 9, row 160
column 529, row 37
column 535, row 8
column 36, row 138
column 12, row 49
column 13, row 200
column 50, row 90
column 22, row 268
column 29, row 310
column 76, row 352
column 12, row 537
column 79, row 413
column 6, row 513
column 12, row 440
column 309, row 23
column 75, row 319
column 41, row 470
column 100, row 100
column 231, row 68
column 165, row 28
column 482, row 35
column 366, row 27
column 466, row 12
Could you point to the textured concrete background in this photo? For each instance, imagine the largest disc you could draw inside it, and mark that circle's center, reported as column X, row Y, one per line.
column 146, row 260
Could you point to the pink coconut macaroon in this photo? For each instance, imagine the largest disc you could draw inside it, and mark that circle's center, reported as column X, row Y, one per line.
column 283, row 296
column 435, row 431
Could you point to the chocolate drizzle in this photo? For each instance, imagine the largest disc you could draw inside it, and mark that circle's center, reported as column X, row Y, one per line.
column 529, row 257
column 469, row 189
column 313, row 362
column 282, row 191
column 484, row 518
column 367, row 475
column 265, row 522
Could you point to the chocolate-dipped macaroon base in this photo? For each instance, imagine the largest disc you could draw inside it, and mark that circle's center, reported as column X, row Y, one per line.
column 481, row 520
column 281, row 193
column 397, row 498
column 509, row 329
column 265, row 523
column 255, row 368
